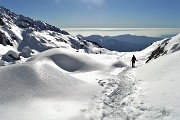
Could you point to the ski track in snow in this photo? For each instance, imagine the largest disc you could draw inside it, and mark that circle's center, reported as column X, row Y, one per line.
column 115, row 91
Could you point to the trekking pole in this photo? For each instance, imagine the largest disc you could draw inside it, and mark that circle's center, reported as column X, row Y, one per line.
column 137, row 63
column 130, row 64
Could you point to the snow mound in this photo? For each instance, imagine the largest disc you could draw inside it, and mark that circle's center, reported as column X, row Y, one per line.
column 119, row 64
column 69, row 61
column 37, row 80
column 39, row 90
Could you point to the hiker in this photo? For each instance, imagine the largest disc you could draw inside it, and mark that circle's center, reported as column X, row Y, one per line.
column 133, row 60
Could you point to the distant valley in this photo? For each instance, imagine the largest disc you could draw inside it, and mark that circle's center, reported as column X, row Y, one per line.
column 121, row 43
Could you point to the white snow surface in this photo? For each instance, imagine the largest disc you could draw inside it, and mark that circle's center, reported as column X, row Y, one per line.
column 159, row 91
column 62, row 83
column 155, row 92
column 147, row 92
column 173, row 45
column 68, row 60
column 49, row 86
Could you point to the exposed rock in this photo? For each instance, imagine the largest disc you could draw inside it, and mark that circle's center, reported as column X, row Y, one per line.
column 1, row 22
column 11, row 56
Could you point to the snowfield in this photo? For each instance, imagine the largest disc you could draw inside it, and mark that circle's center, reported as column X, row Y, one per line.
column 53, row 85
column 149, row 91
column 40, row 90
column 64, row 84
column 159, row 93
column 47, row 74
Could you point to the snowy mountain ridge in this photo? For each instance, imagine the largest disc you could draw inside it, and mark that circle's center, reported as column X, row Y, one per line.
column 19, row 33
column 10, row 18
column 164, row 47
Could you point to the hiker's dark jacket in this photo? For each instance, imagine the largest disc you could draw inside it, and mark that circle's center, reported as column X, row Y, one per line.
column 133, row 59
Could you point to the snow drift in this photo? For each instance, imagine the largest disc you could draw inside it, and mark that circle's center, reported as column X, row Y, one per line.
column 59, row 79
column 41, row 75
column 69, row 61
column 42, row 80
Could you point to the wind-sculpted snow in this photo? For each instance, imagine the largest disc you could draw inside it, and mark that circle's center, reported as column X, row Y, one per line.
column 40, row 85
column 69, row 60
column 37, row 80
column 58, row 83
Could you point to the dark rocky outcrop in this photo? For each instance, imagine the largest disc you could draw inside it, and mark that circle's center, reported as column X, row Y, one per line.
column 4, row 41
column 1, row 38
column 158, row 51
column 1, row 22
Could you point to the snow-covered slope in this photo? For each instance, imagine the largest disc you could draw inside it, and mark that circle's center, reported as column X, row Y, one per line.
column 150, row 91
column 56, row 84
column 42, row 89
column 159, row 91
column 164, row 47
column 18, row 32
column 38, row 90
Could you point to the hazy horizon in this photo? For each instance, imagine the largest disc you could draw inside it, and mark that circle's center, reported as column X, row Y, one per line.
column 150, row 32
column 154, row 18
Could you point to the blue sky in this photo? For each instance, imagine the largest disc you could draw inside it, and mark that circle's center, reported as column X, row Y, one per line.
column 100, row 13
